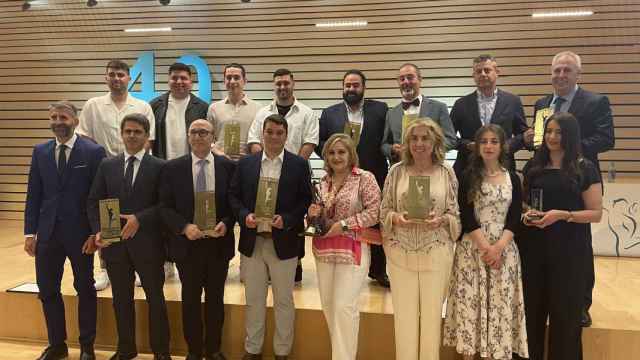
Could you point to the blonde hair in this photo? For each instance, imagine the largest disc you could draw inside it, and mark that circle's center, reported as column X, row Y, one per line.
column 347, row 142
column 434, row 133
column 572, row 55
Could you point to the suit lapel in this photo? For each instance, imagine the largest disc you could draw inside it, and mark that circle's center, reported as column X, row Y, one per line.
column 577, row 103
column 139, row 174
column 500, row 107
column 423, row 106
column 474, row 111
column 220, row 175
column 51, row 161
column 72, row 161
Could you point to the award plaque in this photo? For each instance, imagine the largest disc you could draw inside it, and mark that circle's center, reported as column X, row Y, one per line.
column 536, row 203
column 266, row 200
column 353, row 129
column 538, row 125
column 204, row 215
column 232, row 138
column 110, row 220
column 418, row 198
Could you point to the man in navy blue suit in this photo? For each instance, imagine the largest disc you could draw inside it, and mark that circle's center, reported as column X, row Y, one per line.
column 56, row 227
column 365, row 119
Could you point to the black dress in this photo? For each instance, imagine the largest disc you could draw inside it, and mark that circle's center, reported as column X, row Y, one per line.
column 553, row 261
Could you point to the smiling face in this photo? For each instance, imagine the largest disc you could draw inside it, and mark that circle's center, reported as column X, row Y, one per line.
column 283, row 88
column 353, row 89
column 133, row 136
column 409, row 82
column 553, row 136
column 180, row 84
column 62, row 123
column 339, row 157
column 564, row 75
column 420, row 144
column 117, row 80
column 274, row 136
column 485, row 75
column 201, row 137
column 489, row 146
column 234, row 80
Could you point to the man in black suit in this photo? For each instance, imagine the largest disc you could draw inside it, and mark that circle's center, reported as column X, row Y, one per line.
column 133, row 178
column 270, row 247
column 487, row 105
column 56, row 227
column 202, row 255
column 593, row 112
column 364, row 120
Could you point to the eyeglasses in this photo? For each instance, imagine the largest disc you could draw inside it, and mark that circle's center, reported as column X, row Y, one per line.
column 199, row 132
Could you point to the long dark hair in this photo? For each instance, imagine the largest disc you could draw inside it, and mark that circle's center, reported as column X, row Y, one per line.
column 474, row 172
column 570, row 142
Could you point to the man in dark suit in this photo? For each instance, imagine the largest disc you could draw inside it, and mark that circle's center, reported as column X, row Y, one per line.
column 56, row 227
column 202, row 255
column 270, row 247
column 487, row 105
column 365, row 119
column 593, row 112
column 132, row 178
column 413, row 103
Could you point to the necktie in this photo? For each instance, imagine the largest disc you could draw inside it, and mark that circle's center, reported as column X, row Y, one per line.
column 558, row 104
column 128, row 174
column 201, row 177
column 407, row 104
column 62, row 158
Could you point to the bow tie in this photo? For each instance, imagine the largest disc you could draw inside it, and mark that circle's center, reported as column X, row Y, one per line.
column 408, row 104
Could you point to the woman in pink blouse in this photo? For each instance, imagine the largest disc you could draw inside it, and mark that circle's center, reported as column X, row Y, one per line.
column 350, row 203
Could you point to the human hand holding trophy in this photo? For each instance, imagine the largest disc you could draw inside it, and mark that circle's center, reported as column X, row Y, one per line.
column 315, row 221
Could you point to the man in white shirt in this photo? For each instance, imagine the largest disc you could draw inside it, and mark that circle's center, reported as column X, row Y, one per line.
column 234, row 112
column 100, row 121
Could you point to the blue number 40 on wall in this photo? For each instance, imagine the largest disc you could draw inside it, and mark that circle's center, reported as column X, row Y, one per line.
column 144, row 71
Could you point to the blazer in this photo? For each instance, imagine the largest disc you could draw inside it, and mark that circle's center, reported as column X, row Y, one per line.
column 294, row 197
column 370, row 155
column 177, row 204
column 196, row 109
column 148, row 243
column 433, row 109
column 52, row 198
column 508, row 114
column 593, row 112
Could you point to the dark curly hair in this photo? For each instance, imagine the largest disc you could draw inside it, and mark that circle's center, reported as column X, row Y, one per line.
column 474, row 173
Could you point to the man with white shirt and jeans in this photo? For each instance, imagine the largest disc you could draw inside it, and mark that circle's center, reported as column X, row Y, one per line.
column 303, row 128
column 100, row 121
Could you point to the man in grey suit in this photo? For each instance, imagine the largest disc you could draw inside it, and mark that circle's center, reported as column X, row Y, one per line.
column 413, row 103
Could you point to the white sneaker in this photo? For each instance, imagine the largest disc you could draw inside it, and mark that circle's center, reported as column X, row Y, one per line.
column 169, row 270
column 138, row 282
column 102, row 280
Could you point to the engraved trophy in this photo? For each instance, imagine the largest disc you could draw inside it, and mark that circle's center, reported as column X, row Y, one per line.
column 536, row 203
column 316, row 226
column 419, row 198
column 110, row 220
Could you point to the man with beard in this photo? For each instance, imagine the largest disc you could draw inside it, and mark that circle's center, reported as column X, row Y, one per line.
column 234, row 113
column 362, row 119
column 487, row 105
column 302, row 128
column 100, row 121
column 56, row 227
column 413, row 103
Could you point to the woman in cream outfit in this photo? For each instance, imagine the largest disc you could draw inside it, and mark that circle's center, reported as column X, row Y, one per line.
column 420, row 252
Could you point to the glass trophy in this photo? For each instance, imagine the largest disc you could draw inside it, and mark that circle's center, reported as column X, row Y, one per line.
column 266, row 202
column 110, row 220
column 204, row 215
column 315, row 225
column 418, row 198
column 536, row 203
column 232, row 138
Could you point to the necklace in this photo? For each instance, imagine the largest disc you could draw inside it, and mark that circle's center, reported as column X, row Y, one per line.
column 492, row 173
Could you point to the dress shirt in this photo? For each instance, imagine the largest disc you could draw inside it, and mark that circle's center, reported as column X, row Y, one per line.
column 223, row 112
column 302, row 122
column 100, row 120
column 567, row 104
column 210, row 171
column 486, row 105
column 177, row 144
column 136, row 163
column 414, row 110
column 356, row 116
column 69, row 144
column 270, row 168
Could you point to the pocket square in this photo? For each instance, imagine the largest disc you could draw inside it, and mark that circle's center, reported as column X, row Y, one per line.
column 79, row 166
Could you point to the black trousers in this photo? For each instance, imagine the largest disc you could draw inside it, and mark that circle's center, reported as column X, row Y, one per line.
column 553, row 281
column 121, row 267
column 204, row 267
column 378, row 264
column 589, row 274
column 50, row 258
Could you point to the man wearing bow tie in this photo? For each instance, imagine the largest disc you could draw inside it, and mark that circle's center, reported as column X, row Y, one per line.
column 413, row 103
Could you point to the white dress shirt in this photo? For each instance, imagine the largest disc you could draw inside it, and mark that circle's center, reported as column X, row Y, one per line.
column 67, row 151
column 486, row 105
column 209, row 168
column 136, row 163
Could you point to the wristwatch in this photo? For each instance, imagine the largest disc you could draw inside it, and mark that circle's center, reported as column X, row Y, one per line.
column 344, row 225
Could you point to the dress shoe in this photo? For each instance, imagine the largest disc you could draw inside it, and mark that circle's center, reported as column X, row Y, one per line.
column 161, row 357
column 282, row 357
column 120, row 356
column 57, row 352
column 217, row 356
column 585, row 321
column 102, row 280
column 249, row 356
column 382, row 280
column 298, row 277
column 193, row 357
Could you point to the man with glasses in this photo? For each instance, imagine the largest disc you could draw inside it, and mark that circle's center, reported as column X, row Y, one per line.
column 201, row 253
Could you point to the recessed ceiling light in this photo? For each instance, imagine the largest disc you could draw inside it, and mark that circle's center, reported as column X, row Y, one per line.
column 330, row 24
column 148, row 29
column 562, row 13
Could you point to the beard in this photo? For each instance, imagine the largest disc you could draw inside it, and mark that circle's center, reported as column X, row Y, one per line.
column 352, row 97
column 62, row 131
column 408, row 92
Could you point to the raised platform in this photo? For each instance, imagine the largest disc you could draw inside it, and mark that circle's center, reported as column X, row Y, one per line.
column 615, row 333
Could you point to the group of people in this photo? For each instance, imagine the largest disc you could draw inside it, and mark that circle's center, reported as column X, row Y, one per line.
column 504, row 265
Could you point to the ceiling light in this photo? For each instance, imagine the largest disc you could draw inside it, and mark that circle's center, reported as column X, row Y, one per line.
column 148, row 29
column 92, row 3
column 332, row 24
column 562, row 13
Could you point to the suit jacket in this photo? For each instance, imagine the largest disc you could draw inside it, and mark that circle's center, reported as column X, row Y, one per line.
column 148, row 242
column 370, row 155
column 593, row 112
column 508, row 114
column 433, row 109
column 294, row 197
column 53, row 198
column 196, row 109
column 177, row 204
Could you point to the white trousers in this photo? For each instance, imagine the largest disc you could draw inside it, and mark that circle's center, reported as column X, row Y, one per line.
column 340, row 286
column 417, row 304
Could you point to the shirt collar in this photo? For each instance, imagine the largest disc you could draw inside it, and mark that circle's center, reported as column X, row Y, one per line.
column 568, row 98
column 69, row 142
column 108, row 100
column 482, row 97
column 294, row 106
column 280, row 156
column 195, row 159
column 173, row 99
column 139, row 155
column 243, row 100
column 360, row 108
